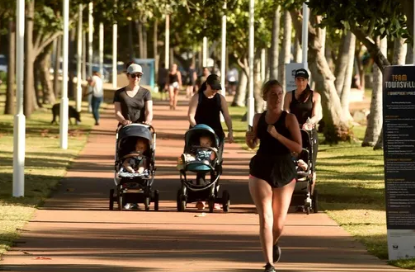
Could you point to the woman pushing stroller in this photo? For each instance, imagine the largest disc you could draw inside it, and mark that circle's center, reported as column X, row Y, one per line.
column 133, row 104
column 205, row 108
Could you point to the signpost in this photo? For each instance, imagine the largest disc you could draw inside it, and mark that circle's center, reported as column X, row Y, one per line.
column 399, row 158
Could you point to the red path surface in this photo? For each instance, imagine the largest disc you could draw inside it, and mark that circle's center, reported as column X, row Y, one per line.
column 75, row 231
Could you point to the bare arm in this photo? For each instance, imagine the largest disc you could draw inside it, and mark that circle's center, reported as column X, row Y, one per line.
column 287, row 101
column 192, row 109
column 179, row 78
column 251, row 139
column 317, row 112
column 149, row 112
column 118, row 114
column 295, row 143
column 226, row 115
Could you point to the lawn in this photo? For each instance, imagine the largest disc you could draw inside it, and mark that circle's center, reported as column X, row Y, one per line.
column 350, row 183
column 45, row 165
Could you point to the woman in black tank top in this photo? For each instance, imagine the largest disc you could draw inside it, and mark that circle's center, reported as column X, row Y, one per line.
column 205, row 108
column 272, row 171
column 305, row 104
column 174, row 83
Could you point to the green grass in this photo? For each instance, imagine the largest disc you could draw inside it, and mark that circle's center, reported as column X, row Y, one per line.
column 350, row 183
column 45, row 165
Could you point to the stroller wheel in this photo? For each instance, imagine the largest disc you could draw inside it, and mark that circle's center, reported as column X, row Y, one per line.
column 181, row 201
column 314, row 198
column 211, row 202
column 147, row 203
column 119, row 200
column 226, row 201
column 156, row 200
column 111, row 199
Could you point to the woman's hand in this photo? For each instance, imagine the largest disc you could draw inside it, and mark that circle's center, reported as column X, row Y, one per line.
column 126, row 122
column 230, row 137
column 274, row 133
column 250, row 136
column 308, row 126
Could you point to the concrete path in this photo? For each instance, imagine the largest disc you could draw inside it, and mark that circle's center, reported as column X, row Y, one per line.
column 75, row 231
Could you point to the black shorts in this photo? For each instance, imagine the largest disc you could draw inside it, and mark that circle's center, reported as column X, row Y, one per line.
column 162, row 88
column 277, row 171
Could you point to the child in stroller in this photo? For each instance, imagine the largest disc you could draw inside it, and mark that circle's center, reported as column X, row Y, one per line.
column 136, row 161
column 304, row 197
column 202, row 155
column 134, row 167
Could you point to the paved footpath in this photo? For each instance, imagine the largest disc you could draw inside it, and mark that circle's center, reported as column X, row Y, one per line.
column 75, row 231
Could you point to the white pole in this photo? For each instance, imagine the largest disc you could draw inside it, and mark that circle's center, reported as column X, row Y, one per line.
column 114, row 55
column 305, row 35
column 205, row 45
column 64, row 101
column 223, row 52
column 101, row 49
column 167, row 43
column 90, row 49
column 263, row 56
column 251, row 64
column 19, row 132
column 79, row 63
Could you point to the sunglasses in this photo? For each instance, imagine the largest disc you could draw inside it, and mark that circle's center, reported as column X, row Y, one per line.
column 136, row 75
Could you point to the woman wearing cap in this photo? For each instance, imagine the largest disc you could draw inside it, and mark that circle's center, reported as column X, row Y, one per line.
column 272, row 172
column 305, row 104
column 133, row 103
column 174, row 83
column 205, row 108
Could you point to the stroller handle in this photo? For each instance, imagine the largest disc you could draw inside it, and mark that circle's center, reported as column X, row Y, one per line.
column 150, row 127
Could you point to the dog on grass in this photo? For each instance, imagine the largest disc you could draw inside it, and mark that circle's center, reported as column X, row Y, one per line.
column 72, row 113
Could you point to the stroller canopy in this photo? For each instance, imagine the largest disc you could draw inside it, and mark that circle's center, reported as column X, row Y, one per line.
column 192, row 136
column 135, row 130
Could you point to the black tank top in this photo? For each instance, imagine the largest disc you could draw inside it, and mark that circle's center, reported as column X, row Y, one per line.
column 301, row 110
column 270, row 146
column 173, row 78
column 208, row 113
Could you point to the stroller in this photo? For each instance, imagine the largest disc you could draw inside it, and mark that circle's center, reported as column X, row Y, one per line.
column 201, row 160
column 303, row 197
column 134, row 187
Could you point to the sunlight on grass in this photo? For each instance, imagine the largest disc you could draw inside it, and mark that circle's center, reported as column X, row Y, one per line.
column 45, row 165
column 350, row 183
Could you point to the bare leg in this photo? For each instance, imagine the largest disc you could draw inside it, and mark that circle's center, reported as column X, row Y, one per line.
column 176, row 98
column 171, row 97
column 280, row 205
column 261, row 193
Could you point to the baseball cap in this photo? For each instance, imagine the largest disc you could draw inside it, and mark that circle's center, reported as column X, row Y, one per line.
column 213, row 81
column 301, row 73
column 134, row 69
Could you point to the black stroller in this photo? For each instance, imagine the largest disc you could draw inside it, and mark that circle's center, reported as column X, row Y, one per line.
column 303, row 197
column 201, row 160
column 134, row 187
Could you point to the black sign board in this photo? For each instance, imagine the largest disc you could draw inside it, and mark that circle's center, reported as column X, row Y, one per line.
column 399, row 145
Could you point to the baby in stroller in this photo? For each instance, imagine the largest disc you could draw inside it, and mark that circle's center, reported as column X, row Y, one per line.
column 202, row 156
column 204, row 153
column 136, row 161
column 134, row 167
column 304, row 197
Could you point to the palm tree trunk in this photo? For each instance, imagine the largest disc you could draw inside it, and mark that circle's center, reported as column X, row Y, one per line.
column 374, row 124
